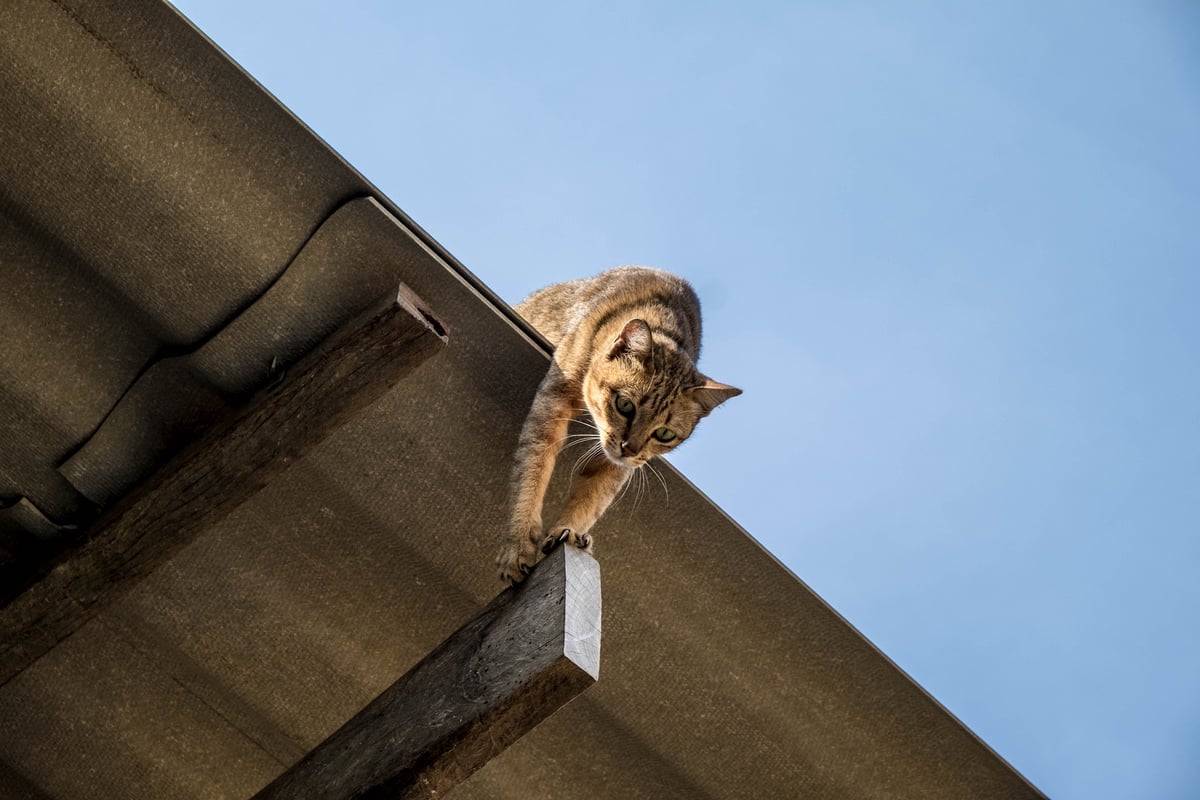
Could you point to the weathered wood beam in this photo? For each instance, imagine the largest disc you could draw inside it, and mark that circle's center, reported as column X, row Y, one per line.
column 533, row 648
column 224, row 468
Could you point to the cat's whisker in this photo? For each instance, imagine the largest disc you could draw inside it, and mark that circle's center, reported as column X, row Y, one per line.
column 595, row 450
column 579, row 420
column 658, row 475
column 574, row 444
column 583, row 459
column 624, row 488
column 641, row 489
column 573, row 441
column 575, row 438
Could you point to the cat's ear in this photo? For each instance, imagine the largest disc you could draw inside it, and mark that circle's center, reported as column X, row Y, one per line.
column 711, row 394
column 634, row 341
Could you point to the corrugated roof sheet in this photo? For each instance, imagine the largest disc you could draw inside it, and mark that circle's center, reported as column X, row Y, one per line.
column 167, row 234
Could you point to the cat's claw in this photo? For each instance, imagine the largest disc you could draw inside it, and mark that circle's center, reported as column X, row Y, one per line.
column 552, row 540
column 565, row 535
column 511, row 575
column 515, row 563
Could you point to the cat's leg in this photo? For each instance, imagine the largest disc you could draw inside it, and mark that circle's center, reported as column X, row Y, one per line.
column 541, row 439
column 592, row 493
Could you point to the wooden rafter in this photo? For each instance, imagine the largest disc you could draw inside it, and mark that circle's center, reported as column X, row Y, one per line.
column 533, row 648
column 224, row 468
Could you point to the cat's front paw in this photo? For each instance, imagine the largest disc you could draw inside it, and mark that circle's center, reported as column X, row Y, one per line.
column 516, row 561
column 567, row 536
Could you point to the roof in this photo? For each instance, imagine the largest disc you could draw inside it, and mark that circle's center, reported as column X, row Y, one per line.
column 169, row 235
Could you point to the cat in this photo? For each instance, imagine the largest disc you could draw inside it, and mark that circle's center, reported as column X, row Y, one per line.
column 625, row 350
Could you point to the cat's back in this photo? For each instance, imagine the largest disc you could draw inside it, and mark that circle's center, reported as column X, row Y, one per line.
column 615, row 295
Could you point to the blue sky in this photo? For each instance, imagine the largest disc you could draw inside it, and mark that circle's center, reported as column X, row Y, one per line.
column 950, row 250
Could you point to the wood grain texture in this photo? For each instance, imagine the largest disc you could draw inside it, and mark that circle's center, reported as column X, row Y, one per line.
column 224, row 468
column 533, row 648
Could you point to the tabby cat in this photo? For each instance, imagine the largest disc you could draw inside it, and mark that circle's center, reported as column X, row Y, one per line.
column 626, row 344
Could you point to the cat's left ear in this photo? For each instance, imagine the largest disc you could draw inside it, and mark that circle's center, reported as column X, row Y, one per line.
column 634, row 341
column 711, row 394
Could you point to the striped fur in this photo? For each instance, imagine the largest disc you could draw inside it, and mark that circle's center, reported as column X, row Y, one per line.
column 625, row 350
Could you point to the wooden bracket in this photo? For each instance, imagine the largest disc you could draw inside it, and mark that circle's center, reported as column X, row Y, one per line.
column 533, row 648
column 220, row 471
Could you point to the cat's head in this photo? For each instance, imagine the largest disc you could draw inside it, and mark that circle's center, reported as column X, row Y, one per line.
column 646, row 395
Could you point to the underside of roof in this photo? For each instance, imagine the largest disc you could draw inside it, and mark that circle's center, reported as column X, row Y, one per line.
column 170, row 237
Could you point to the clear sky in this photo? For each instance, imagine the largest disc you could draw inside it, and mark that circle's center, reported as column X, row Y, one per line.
column 950, row 251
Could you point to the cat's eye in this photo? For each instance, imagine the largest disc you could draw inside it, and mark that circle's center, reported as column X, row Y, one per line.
column 625, row 406
column 664, row 434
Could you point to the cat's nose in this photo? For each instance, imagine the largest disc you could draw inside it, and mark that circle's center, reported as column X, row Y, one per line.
column 626, row 450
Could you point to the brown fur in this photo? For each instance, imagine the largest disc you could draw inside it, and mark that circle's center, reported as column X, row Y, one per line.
column 631, row 333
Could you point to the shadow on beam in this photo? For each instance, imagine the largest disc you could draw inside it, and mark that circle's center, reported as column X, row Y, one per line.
column 514, row 664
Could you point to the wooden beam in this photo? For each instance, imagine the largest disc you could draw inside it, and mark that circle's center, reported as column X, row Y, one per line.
column 532, row 649
column 224, row 468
